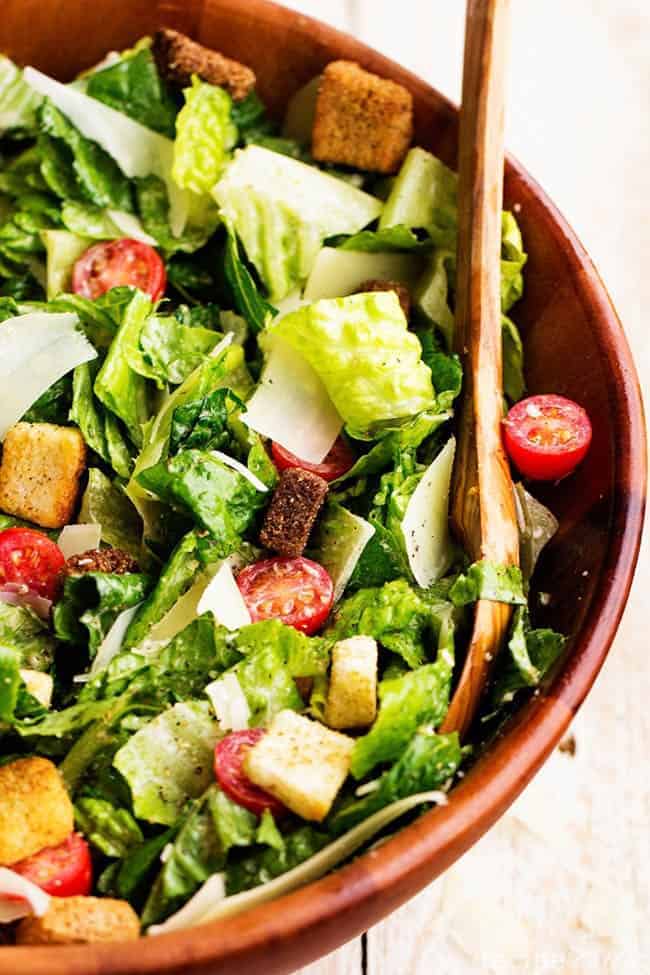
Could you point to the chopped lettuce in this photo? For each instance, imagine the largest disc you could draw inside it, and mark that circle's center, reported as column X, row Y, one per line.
column 62, row 250
column 111, row 830
column 169, row 761
column 100, row 428
column 98, row 223
column 106, row 504
column 245, row 294
column 205, row 134
column 514, row 383
column 282, row 209
column 486, row 580
column 261, row 867
column 10, row 681
column 513, row 258
column 362, row 350
column 92, row 601
column 537, row 526
column 423, row 195
column 431, row 294
column 168, row 351
column 18, row 103
column 530, row 655
column 132, row 85
column 339, row 541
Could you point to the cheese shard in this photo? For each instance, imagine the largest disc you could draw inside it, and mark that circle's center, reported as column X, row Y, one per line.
column 229, row 703
column 75, row 539
column 222, row 598
column 341, row 537
column 425, row 525
column 337, row 273
column 292, row 406
column 19, row 897
column 36, row 350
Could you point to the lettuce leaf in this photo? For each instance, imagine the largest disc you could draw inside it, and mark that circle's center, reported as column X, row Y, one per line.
column 394, row 238
column 132, row 85
column 171, row 351
column 258, row 868
column 101, row 429
column 428, row 762
column 62, row 250
column 97, row 223
column 245, row 294
column 106, row 504
column 487, row 580
column 205, row 134
column 537, row 526
column 91, row 603
column 514, row 383
column 282, row 210
column 153, row 206
column 10, row 681
column 423, row 195
column 169, row 761
column 513, row 259
column 18, row 102
column 530, row 655
column 110, row 829
column 362, row 350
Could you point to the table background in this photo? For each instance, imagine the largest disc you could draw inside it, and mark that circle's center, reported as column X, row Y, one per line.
column 560, row 886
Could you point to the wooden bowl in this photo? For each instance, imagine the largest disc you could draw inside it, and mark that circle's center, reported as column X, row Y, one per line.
column 574, row 346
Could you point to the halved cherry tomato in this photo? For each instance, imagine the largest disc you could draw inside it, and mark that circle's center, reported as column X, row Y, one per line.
column 546, row 436
column 65, row 870
column 228, row 761
column 31, row 559
column 298, row 592
column 119, row 262
column 339, row 460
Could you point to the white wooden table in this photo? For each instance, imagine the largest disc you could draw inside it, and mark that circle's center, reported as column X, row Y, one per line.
column 561, row 885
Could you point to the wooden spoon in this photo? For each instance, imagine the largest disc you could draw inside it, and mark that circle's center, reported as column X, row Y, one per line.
column 482, row 508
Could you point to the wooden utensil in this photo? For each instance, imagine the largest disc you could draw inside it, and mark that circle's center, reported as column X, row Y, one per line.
column 482, row 509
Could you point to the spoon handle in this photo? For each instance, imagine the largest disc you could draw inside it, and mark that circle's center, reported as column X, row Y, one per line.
column 482, row 507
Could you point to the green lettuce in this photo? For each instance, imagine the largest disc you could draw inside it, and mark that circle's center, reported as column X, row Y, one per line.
column 101, row 430
column 367, row 359
column 53, row 406
column 91, row 603
column 169, row 351
column 152, row 204
column 244, row 292
column 25, row 633
column 169, row 761
column 10, row 681
column 204, row 423
column 132, row 85
column 18, row 102
column 486, row 580
column 205, row 134
column 260, row 867
column 105, row 503
column 283, row 209
column 428, row 762
column 394, row 238
column 530, row 655
column 111, row 830
column 423, row 195
column 537, row 526
column 513, row 258
column 62, row 250
column 514, row 383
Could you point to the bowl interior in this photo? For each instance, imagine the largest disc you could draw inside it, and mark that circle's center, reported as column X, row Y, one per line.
column 574, row 346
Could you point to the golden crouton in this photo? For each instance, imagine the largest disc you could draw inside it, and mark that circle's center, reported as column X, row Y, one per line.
column 301, row 763
column 178, row 57
column 80, row 921
column 361, row 120
column 40, row 471
column 35, row 809
column 352, row 694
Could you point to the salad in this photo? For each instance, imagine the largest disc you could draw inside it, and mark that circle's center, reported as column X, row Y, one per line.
column 231, row 609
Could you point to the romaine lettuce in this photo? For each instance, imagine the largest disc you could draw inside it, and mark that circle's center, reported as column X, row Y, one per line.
column 92, row 601
column 361, row 348
column 106, row 504
column 205, row 134
column 112, row 830
column 18, row 103
column 530, row 655
column 487, row 580
column 132, row 85
column 62, row 250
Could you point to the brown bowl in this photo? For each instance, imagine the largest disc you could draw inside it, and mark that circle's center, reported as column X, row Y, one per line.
column 574, row 345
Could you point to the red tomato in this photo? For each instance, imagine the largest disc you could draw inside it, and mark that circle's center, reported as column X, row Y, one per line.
column 31, row 559
column 228, row 760
column 339, row 460
column 117, row 262
column 298, row 592
column 546, row 436
column 65, row 870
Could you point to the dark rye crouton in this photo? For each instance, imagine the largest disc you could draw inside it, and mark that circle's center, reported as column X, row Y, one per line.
column 111, row 560
column 80, row 921
column 292, row 512
column 361, row 120
column 178, row 57
column 400, row 290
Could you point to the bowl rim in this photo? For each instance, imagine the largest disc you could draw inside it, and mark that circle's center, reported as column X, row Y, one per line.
column 339, row 906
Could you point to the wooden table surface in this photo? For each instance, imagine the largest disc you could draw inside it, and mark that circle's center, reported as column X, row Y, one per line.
column 561, row 885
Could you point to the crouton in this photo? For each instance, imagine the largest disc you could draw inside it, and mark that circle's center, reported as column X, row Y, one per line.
column 178, row 57
column 40, row 472
column 110, row 560
column 301, row 763
column 35, row 809
column 352, row 695
column 39, row 685
column 80, row 921
column 400, row 290
column 292, row 512
column 361, row 120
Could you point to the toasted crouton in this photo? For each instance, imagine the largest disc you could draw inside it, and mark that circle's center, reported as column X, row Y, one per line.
column 110, row 560
column 40, row 471
column 352, row 694
column 361, row 120
column 80, row 921
column 301, row 763
column 35, row 809
column 178, row 57
column 292, row 512
column 400, row 290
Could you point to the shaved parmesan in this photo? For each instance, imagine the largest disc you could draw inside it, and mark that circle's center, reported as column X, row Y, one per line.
column 223, row 599
column 212, row 892
column 20, row 897
column 130, row 226
column 241, row 469
column 425, row 525
column 137, row 150
column 337, row 273
column 292, row 407
column 112, row 642
column 39, row 685
column 75, row 539
column 340, row 541
column 229, row 703
column 36, row 350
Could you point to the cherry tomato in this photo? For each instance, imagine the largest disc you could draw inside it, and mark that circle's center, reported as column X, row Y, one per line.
column 337, row 463
column 228, row 761
column 31, row 559
column 298, row 592
column 65, row 870
column 119, row 262
column 546, row 436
